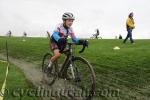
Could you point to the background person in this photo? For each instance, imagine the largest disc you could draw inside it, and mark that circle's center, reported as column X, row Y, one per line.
column 130, row 26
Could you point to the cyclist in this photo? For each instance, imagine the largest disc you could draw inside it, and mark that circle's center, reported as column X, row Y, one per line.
column 60, row 34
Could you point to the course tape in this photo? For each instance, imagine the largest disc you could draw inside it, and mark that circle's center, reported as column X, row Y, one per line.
column 2, row 91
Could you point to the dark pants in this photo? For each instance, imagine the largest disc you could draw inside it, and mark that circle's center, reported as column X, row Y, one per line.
column 129, row 35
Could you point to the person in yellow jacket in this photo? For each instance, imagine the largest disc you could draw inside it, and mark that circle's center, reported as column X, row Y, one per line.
column 130, row 26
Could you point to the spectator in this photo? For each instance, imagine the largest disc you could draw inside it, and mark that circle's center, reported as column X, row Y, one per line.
column 130, row 26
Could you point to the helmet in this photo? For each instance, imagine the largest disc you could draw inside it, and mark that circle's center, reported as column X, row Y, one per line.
column 68, row 15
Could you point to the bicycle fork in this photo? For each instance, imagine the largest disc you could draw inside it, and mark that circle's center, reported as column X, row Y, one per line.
column 72, row 71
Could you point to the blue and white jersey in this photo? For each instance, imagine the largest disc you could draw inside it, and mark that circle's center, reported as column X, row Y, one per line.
column 61, row 31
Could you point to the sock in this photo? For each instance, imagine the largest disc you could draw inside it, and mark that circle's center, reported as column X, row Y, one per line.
column 50, row 63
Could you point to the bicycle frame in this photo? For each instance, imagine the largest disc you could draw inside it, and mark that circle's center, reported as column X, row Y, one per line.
column 68, row 60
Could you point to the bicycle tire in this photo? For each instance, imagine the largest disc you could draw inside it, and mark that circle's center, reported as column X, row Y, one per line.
column 91, row 87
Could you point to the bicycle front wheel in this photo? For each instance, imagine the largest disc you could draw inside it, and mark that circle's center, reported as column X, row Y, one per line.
column 83, row 75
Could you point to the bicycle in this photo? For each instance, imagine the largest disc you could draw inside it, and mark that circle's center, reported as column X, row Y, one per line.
column 95, row 37
column 77, row 70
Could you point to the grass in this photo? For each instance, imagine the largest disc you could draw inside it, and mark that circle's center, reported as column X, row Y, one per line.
column 2, row 73
column 16, row 82
column 126, row 69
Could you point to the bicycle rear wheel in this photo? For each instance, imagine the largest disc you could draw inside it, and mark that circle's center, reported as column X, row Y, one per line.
column 82, row 76
column 49, row 75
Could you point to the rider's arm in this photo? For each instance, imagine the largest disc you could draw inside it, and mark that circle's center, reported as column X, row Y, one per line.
column 56, row 32
column 56, row 35
column 78, row 41
column 74, row 39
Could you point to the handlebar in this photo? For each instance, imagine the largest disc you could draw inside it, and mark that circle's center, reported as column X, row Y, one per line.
column 81, row 51
column 83, row 47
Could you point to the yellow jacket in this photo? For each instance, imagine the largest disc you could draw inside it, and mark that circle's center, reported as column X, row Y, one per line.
column 130, row 23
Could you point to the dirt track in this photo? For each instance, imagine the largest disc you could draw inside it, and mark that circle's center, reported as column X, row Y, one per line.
column 34, row 75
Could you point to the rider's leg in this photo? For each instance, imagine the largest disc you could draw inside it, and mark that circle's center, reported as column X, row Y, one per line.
column 54, row 57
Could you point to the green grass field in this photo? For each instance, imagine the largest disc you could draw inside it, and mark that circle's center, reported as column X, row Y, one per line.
column 126, row 69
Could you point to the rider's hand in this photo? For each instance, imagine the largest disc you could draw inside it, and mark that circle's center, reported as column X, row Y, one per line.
column 83, row 42
column 62, row 43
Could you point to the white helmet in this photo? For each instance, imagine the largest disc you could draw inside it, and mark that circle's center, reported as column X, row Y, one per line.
column 68, row 15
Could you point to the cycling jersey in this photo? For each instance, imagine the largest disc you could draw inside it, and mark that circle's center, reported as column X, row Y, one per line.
column 60, row 32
